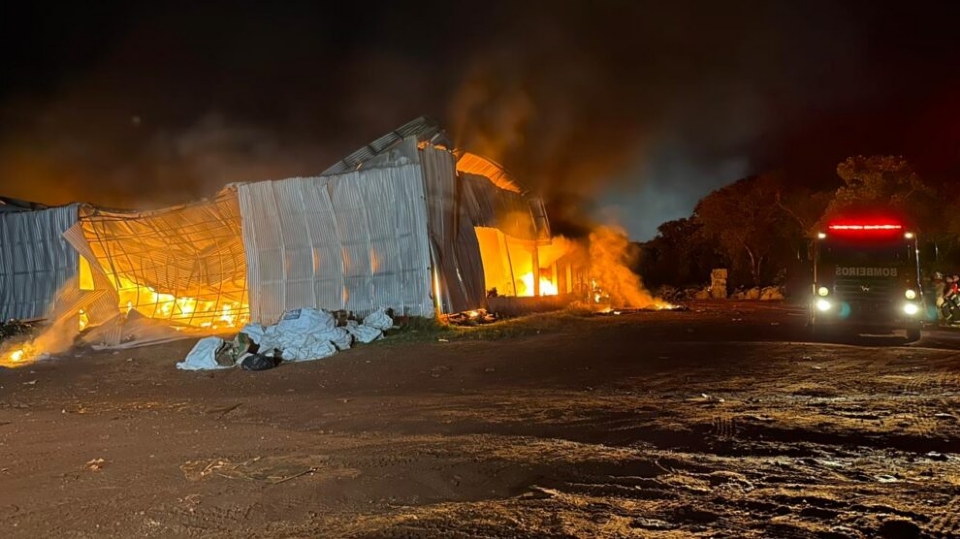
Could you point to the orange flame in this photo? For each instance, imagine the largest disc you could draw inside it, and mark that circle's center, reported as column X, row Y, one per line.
column 613, row 280
column 25, row 355
column 547, row 288
column 185, row 310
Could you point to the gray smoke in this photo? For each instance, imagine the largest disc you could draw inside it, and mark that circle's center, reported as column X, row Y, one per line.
column 578, row 101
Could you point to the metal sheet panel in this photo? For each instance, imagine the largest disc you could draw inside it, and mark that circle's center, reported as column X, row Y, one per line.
column 354, row 241
column 456, row 251
column 35, row 261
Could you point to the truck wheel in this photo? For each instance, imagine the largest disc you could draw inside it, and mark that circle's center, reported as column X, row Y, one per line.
column 913, row 334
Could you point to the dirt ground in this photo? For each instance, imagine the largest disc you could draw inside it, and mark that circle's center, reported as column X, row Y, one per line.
column 723, row 421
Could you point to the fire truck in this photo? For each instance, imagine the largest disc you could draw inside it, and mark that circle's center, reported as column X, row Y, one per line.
column 866, row 277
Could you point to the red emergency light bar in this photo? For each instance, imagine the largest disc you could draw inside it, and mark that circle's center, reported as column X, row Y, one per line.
column 865, row 227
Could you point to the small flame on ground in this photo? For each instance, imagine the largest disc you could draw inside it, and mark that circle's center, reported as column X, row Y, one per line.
column 22, row 356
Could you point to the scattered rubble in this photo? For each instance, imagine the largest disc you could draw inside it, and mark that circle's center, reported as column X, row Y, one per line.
column 769, row 293
column 94, row 465
column 471, row 318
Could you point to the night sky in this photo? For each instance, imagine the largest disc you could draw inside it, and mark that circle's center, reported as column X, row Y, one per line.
column 613, row 110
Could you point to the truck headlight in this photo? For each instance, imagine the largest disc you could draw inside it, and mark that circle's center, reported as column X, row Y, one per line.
column 823, row 305
column 910, row 294
column 911, row 308
column 823, row 291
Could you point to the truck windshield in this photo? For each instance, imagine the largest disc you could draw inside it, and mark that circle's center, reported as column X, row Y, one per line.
column 864, row 253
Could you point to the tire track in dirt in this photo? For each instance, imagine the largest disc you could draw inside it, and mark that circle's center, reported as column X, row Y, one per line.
column 916, row 403
column 725, row 427
column 924, row 398
column 947, row 523
column 202, row 518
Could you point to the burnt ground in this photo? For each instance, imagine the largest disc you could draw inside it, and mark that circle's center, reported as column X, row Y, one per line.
column 719, row 422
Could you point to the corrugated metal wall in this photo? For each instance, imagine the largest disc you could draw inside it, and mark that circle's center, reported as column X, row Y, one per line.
column 355, row 241
column 35, row 261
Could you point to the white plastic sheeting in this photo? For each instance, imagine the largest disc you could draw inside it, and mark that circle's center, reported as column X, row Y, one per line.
column 203, row 356
column 35, row 261
column 301, row 335
column 354, row 241
column 378, row 320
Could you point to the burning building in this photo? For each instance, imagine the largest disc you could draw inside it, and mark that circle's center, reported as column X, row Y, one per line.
column 407, row 222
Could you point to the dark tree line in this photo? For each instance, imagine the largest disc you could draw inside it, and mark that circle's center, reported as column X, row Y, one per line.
column 759, row 227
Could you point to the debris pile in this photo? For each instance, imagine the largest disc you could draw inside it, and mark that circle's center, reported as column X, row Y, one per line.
column 471, row 318
column 611, row 311
column 14, row 328
column 300, row 335
column 770, row 293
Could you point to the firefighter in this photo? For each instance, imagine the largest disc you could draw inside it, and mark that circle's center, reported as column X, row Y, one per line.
column 948, row 301
column 939, row 287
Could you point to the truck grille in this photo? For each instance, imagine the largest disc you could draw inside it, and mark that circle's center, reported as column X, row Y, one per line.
column 867, row 289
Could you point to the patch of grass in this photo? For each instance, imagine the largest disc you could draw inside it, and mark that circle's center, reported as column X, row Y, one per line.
column 432, row 330
column 418, row 330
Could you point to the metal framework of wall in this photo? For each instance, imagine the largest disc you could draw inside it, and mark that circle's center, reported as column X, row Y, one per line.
column 184, row 264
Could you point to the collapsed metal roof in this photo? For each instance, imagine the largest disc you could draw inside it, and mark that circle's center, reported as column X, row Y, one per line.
column 471, row 163
column 428, row 131
column 8, row 204
column 425, row 129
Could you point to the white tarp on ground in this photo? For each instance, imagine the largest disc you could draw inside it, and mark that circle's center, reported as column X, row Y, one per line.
column 301, row 335
column 203, row 356
column 35, row 261
column 306, row 334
